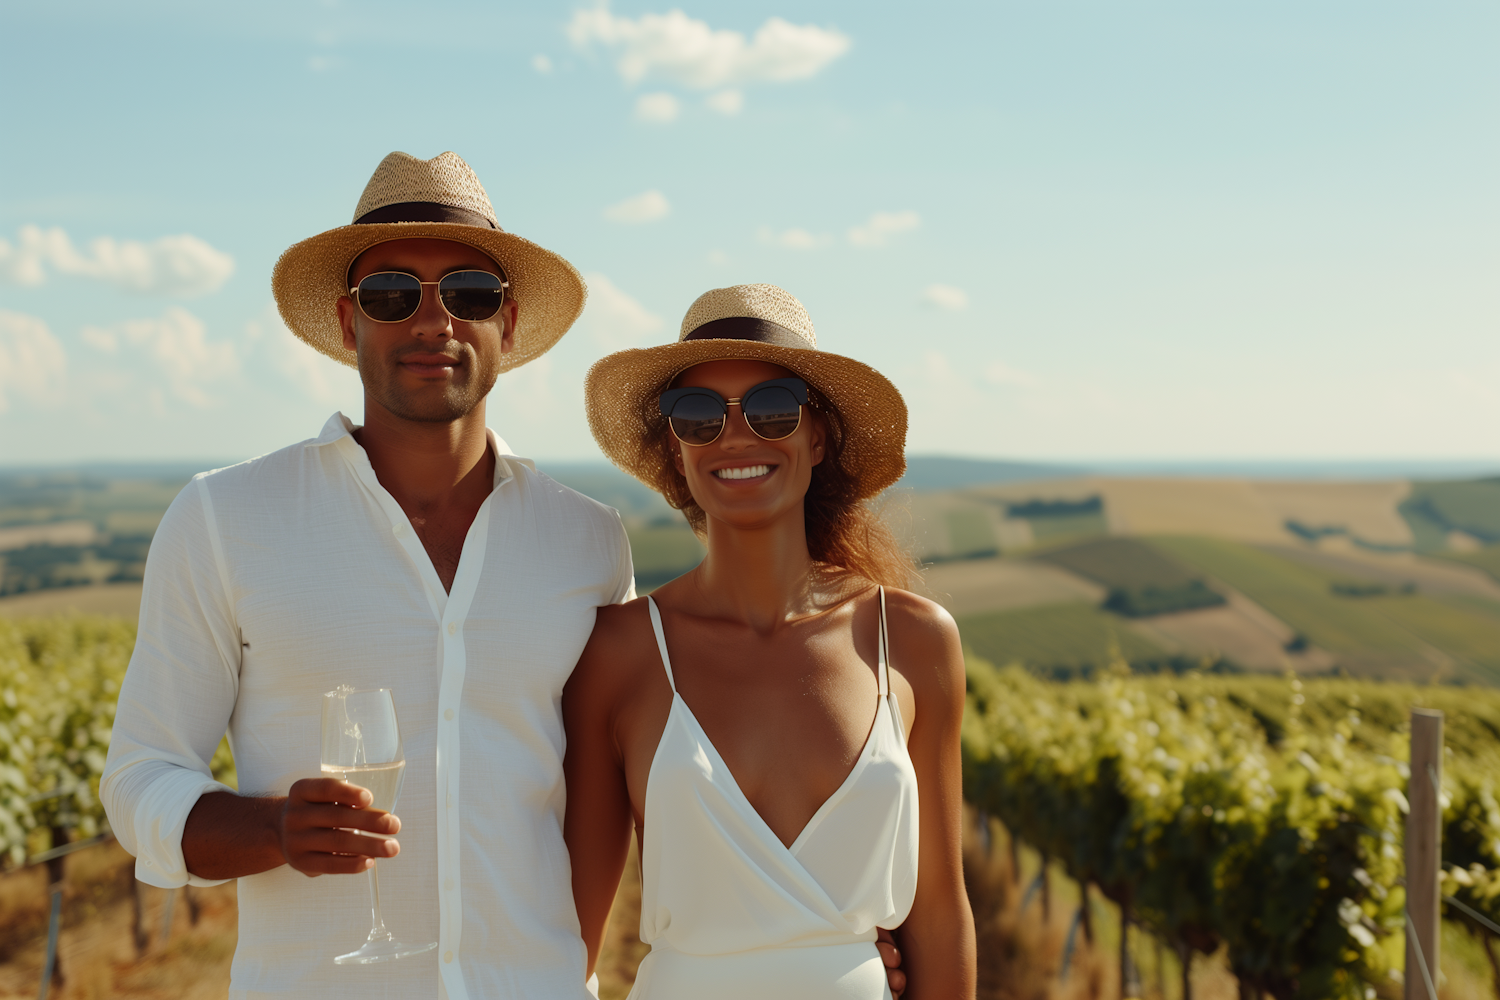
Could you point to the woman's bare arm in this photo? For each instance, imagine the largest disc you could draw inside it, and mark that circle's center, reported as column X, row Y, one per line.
column 937, row 940
column 597, row 823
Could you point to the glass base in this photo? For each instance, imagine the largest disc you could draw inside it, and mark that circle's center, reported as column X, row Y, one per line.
column 382, row 949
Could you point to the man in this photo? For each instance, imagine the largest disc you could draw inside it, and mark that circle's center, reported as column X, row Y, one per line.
column 414, row 553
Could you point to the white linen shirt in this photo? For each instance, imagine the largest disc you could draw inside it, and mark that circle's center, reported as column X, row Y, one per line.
column 273, row 581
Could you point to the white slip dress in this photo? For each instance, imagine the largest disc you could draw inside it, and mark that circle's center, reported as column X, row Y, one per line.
column 732, row 913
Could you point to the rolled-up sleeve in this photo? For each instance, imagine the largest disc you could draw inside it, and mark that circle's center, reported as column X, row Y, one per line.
column 178, row 693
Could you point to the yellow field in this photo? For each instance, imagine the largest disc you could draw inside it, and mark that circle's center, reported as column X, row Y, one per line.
column 973, row 586
column 122, row 599
column 1242, row 509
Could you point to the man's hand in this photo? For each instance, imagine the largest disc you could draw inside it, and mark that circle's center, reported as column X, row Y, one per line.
column 317, row 828
column 885, row 943
column 231, row 836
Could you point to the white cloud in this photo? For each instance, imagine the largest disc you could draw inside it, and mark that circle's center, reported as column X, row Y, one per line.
column 718, row 257
column 726, row 102
column 794, row 238
column 613, row 318
column 658, row 108
column 1000, row 373
column 946, row 297
column 173, row 265
column 32, row 360
column 687, row 51
column 877, row 232
column 177, row 343
column 645, row 207
column 541, row 64
column 320, row 378
column 101, row 339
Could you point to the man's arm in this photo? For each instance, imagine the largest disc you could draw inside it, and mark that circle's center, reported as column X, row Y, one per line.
column 177, row 696
column 179, row 692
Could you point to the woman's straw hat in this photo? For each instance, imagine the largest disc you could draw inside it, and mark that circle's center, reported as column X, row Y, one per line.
column 440, row 198
column 754, row 322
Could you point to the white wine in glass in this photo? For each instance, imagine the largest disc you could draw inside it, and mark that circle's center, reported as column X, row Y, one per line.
column 362, row 745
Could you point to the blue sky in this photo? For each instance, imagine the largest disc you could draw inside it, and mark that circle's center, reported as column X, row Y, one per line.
column 1067, row 230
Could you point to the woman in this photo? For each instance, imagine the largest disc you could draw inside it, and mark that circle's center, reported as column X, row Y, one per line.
column 780, row 725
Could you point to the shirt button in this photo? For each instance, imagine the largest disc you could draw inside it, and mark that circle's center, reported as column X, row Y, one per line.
column 397, row 529
column 448, row 714
column 447, row 956
column 452, row 628
column 448, row 884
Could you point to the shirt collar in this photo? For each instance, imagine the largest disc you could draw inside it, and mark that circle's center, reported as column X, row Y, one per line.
column 340, row 427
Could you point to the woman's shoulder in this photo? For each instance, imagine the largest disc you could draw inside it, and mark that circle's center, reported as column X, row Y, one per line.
column 918, row 616
column 925, row 644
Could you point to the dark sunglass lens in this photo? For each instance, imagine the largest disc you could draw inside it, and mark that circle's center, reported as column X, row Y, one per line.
column 390, row 297
column 471, row 295
column 772, row 412
column 697, row 419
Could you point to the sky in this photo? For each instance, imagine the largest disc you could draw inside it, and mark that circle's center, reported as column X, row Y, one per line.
column 1071, row 231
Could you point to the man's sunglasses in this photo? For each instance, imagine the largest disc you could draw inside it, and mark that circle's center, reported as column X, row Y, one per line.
column 395, row 296
column 772, row 409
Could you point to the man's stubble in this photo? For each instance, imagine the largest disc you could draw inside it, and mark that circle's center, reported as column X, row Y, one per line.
column 380, row 375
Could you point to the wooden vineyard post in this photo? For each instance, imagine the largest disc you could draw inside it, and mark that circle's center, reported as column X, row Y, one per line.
column 52, row 964
column 1424, row 852
column 1130, row 976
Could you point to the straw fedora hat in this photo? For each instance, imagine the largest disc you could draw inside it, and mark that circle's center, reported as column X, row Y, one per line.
column 753, row 322
column 440, row 198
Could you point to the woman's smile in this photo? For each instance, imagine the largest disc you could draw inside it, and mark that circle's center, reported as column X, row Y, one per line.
column 744, row 471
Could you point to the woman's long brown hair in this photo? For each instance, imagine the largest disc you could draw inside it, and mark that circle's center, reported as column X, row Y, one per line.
column 844, row 533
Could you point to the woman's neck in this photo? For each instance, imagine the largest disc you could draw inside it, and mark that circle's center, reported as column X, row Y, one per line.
column 763, row 576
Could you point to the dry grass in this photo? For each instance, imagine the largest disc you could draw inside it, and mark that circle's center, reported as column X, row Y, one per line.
column 623, row 950
column 1241, row 631
column 97, row 956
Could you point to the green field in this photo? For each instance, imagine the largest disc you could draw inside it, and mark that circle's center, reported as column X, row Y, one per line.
column 662, row 552
column 970, row 533
column 1074, row 635
column 1066, row 527
column 1487, row 559
column 1398, row 635
column 1120, row 562
column 1434, row 509
column 1142, row 580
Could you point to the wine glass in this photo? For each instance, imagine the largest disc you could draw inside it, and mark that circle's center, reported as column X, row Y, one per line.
column 362, row 745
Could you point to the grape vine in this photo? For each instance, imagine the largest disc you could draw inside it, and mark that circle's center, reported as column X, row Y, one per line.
column 1265, row 814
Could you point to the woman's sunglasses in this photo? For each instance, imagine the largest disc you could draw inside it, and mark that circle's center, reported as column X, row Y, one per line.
column 772, row 409
column 395, row 296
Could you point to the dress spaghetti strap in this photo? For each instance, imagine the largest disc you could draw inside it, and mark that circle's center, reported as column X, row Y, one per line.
column 885, row 647
column 661, row 639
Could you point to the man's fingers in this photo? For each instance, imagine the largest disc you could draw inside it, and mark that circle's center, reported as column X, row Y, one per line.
column 326, row 817
column 313, row 865
column 330, row 790
column 344, row 842
column 890, row 956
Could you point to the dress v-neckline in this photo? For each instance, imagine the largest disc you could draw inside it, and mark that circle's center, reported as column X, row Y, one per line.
column 717, row 759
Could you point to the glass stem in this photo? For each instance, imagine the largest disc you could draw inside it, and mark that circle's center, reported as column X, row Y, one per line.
column 377, row 923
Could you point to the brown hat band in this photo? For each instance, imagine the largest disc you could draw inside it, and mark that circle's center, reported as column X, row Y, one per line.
column 423, row 211
column 761, row 331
